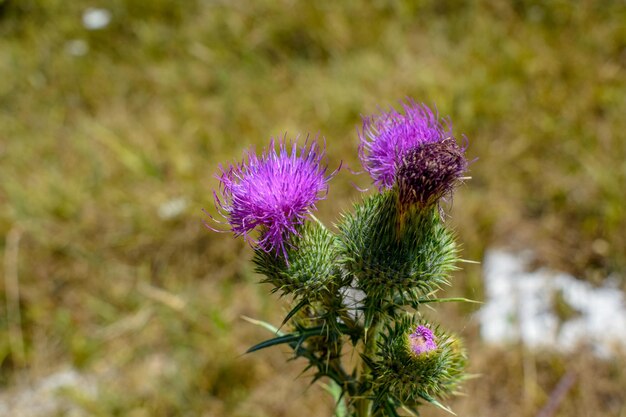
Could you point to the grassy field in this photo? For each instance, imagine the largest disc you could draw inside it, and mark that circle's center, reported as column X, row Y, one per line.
column 109, row 140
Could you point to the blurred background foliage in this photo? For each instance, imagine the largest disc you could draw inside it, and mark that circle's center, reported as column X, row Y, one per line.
column 109, row 139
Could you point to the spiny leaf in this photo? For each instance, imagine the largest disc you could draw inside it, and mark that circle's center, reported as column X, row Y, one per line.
column 370, row 364
column 435, row 402
column 297, row 337
column 411, row 410
column 294, row 310
column 390, row 408
column 448, row 300
column 273, row 342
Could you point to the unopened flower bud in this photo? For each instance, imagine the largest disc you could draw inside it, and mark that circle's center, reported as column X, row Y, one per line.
column 410, row 364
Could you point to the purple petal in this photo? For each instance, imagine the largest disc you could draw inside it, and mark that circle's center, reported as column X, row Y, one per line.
column 272, row 193
column 386, row 137
column 422, row 340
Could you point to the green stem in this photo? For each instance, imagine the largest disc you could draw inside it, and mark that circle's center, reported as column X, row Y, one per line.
column 364, row 404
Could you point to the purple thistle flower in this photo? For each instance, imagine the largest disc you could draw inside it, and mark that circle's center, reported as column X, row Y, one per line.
column 274, row 192
column 387, row 137
column 422, row 340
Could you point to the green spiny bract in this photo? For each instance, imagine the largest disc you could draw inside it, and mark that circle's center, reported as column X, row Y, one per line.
column 309, row 271
column 401, row 375
column 396, row 256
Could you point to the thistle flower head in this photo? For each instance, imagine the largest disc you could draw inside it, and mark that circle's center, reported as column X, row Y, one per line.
column 400, row 265
column 429, row 171
column 422, row 340
column 411, row 366
column 385, row 139
column 273, row 192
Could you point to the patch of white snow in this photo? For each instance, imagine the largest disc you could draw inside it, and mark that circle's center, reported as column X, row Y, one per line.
column 520, row 307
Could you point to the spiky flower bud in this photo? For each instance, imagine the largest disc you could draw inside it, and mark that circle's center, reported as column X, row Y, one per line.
column 309, row 267
column 411, row 366
column 428, row 172
column 392, row 265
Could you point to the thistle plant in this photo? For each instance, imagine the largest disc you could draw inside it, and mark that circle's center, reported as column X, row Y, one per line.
column 356, row 290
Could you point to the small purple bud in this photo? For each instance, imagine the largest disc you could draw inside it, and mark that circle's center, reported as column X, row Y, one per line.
column 428, row 172
column 422, row 340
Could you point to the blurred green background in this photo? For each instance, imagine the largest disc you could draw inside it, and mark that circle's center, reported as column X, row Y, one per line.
column 111, row 131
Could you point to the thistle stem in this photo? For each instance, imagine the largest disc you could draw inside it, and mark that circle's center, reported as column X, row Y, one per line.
column 364, row 405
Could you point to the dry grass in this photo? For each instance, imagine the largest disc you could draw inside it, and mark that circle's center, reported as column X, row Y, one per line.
column 92, row 146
